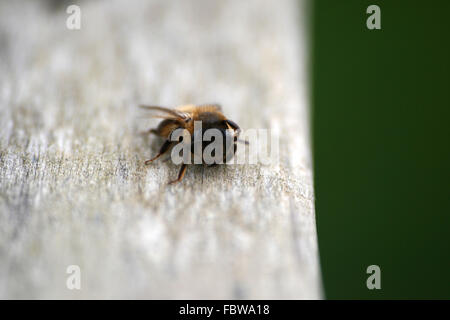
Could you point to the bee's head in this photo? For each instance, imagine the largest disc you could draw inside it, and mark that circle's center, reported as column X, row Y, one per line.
column 213, row 130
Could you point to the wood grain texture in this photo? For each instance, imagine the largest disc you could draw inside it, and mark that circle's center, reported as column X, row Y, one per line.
column 73, row 186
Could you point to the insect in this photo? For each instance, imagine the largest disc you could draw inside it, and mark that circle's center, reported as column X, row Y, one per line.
column 184, row 117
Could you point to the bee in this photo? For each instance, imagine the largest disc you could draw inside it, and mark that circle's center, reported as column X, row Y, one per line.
column 184, row 117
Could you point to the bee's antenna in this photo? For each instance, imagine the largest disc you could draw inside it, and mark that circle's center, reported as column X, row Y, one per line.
column 243, row 141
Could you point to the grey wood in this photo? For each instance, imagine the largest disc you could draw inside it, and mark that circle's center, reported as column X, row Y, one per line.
column 73, row 186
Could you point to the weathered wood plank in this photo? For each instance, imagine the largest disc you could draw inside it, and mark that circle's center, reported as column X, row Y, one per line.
column 73, row 186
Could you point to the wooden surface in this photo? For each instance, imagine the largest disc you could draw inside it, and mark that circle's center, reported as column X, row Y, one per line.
column 73, row 186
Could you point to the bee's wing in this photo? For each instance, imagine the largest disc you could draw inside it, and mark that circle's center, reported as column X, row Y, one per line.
column 168, row 113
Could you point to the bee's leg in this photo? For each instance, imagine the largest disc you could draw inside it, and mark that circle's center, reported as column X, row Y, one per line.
column 180, row 174
column 163, row 150
column 165, row 127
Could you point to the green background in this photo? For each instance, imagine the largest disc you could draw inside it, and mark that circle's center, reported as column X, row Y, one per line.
column 380, row 121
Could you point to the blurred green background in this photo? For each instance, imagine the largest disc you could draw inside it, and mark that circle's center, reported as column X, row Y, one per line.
column 381, row 102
